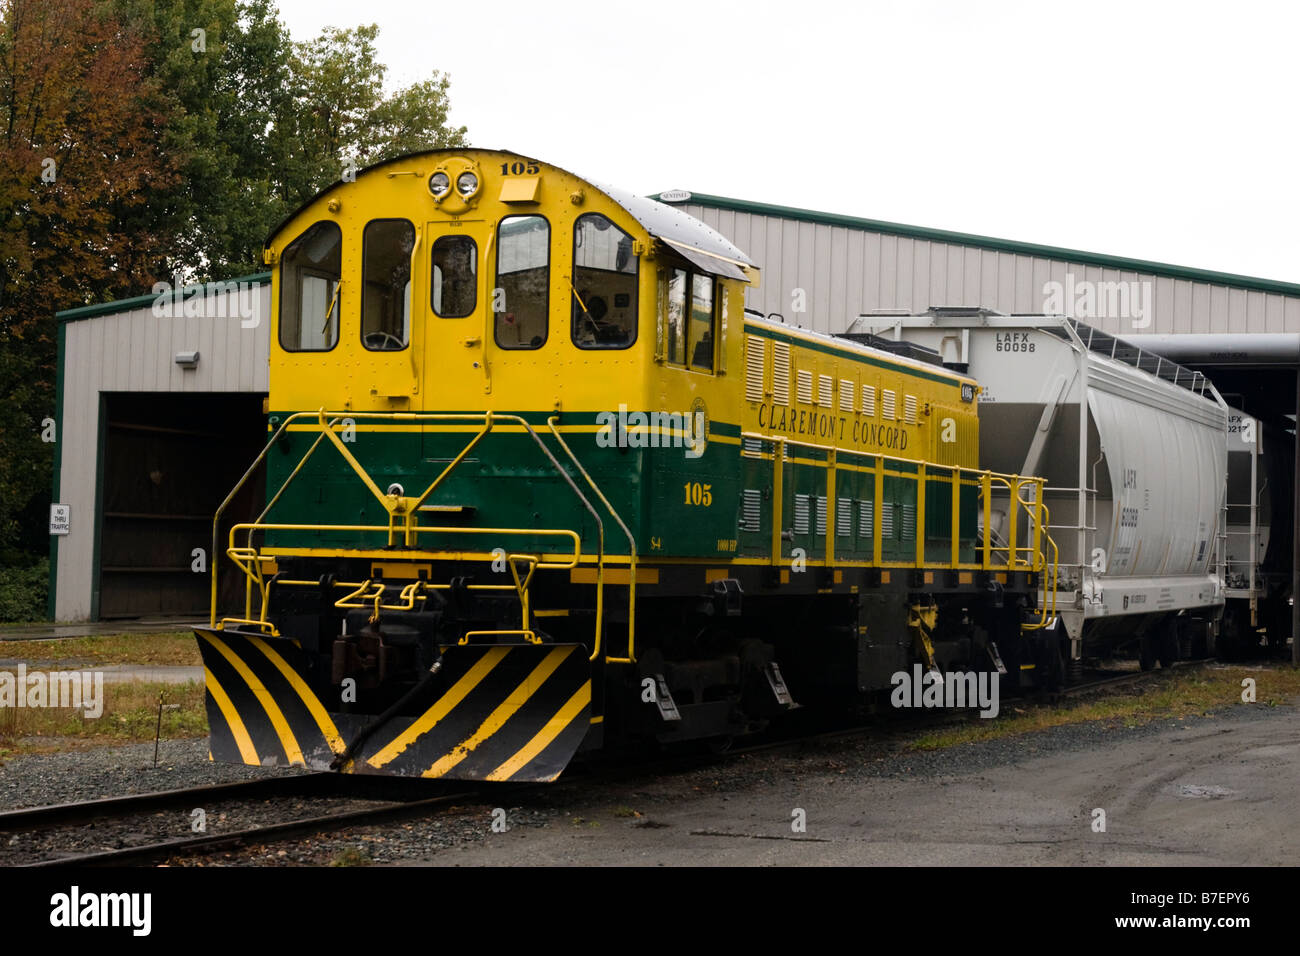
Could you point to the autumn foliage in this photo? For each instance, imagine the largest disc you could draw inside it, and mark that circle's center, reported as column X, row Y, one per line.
column 142, row 138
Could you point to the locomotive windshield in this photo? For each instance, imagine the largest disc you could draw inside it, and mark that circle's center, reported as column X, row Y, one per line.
column 523, row 282
column 386, row 284
column 455, row 269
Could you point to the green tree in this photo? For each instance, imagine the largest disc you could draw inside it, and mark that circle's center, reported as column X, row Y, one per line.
column 341, row 116
column 79, row 158
column 139, row 138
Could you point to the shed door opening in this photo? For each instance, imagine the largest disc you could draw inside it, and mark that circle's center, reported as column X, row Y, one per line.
column 168, row 462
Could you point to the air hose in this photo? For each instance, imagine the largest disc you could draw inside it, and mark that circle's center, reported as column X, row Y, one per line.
column 343, row 759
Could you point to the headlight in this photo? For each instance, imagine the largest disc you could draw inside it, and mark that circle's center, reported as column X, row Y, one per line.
column 467, row 184
column 439, row 183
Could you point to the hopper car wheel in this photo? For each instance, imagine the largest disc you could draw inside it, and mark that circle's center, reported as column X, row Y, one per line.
column 1146, row 652
column 1167, row 642
column 1230, row 641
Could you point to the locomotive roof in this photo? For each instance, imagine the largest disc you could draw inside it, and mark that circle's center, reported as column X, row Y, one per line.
column 686, row 234
column 698, row 243
column 826, row 341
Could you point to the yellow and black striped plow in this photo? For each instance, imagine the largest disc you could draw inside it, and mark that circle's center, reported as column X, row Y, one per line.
column 516, row 712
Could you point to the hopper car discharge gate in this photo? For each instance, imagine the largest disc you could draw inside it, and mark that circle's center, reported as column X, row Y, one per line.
column 490, row 697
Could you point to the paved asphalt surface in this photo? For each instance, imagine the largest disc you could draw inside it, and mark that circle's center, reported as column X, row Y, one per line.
column 1219, row 791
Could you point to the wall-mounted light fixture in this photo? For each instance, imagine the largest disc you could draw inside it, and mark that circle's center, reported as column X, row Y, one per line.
column 187, row 359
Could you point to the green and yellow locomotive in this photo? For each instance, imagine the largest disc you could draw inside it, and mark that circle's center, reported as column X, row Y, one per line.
column 536, row 483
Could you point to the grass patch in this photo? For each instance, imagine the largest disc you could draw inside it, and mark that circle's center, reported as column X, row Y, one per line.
column 350, row 857
column 1178, row 695
column 130, row 715
column 168, row 648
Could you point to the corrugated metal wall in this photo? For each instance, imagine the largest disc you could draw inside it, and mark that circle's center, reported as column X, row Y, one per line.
column 134, row 351
column 845, row 271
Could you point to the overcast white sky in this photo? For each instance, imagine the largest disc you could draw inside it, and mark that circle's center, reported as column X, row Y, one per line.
column 1165, row 131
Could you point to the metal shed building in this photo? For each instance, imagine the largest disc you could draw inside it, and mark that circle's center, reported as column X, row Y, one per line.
column 148, row 444
column 159, row 411
column 847, row 266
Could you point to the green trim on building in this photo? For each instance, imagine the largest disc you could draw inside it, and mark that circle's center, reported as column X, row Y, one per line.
column 140, row 301
column 1000, row 245
column 58, row 470
column 101, row 441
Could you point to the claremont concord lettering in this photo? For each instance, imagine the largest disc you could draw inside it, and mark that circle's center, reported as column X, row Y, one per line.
column 812, row 424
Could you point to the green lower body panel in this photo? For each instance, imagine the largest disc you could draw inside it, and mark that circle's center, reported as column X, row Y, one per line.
column 506, row 713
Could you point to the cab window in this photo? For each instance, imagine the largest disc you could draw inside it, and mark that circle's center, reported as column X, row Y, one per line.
column 455, row 272
column 690, row 317
column 677, row 316
column 522, row 294
column 386, row 284
column 604, row 285
column 699, row 334
column 309, row 290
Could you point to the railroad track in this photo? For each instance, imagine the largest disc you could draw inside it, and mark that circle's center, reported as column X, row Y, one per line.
column 387, row 803
column 393, row 799
column 1130, row 677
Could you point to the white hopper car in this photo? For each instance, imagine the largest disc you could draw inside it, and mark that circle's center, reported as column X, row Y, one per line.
column 1134, row 449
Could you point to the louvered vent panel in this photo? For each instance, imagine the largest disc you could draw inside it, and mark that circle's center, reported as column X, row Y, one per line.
column 821, row 514
column 755, row 357
column 751, row 448
column 825, row 387
column 804, row 386
column 844, row 517
column 866, row 519
column 869, row 400
column 781, row 373
column 909, row 409
column 801, row 514
column 751, row 504
column 887, row 404
column 846, row 395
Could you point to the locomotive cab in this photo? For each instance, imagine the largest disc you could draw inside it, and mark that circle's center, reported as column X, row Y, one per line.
column 447, row 329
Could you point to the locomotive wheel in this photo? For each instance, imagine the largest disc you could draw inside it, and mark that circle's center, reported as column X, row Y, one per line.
column 1055, row 650
column 720, row 745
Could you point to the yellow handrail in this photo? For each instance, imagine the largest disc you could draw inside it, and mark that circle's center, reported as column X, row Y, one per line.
column 631, row 544
column 1043, row 520
column 1032, row 557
